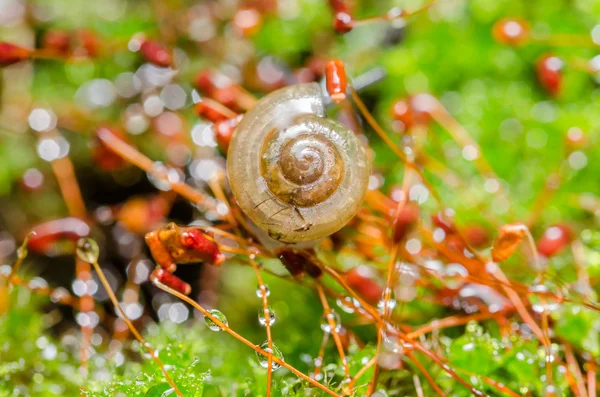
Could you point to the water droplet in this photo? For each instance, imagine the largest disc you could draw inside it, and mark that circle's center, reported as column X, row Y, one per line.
column 348, row 304
column 552, row 391
column 455, row 275
column 544, row 296
column 87, row 250
column 262, row 319
column 391, row 304
column 260, row 289
column 162, row 176
column 219, row 316
column 264, row 361
column 326, row 326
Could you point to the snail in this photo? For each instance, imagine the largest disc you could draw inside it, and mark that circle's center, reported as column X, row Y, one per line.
column 297, row 174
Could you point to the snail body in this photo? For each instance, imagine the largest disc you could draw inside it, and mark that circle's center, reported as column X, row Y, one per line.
column 295, row 173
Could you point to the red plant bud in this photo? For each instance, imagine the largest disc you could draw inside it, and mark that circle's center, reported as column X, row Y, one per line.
column 224, row 131
column 164, row 277
column 362, row 280
column 156, row 53
column 405, row 218
column 511, row 31
column 476, row 236
column 292, row 262
column 342, row 20
column 208, row 111
column 335, row 77
column 299, row 261
column 90, row 42
column 508, row 240
column 549, row 73
column 203, row 248
column 204, row 81
column 47, row 234
column 58, row 41
column 10, row 53
column 105, row 158
column 159, row 252
column 401, row 111
column 444, row 222
column 554, row 240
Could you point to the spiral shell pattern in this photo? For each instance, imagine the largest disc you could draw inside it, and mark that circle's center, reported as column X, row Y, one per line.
column 295, row 173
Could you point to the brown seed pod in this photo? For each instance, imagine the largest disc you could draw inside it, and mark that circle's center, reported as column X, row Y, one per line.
column 295, row 173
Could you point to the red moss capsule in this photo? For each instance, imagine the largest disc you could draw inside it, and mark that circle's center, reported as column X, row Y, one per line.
column 409, row 115
column 47, row 235
column 335, row 75
column 156, row 53
column 57, row 41
column 105, row 158
column 89, row 42
column 404, row 220
column 401, row 111
column 362, row 279
column 298, row 262
column 164, row 277
column 224, row 131
column 554, row 240
column 204, row 81
column 476, row 236
column 444, row 222
column 508, row 240
column 159, row 251
column 141, row 215
column 511, row 31
column 218, row 86
column 342, row 20
column 209, row 111
column 292, row 262
column 549, row 73
column 199, row 247
column 10, row 53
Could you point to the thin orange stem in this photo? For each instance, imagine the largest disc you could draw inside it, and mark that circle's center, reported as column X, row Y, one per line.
column 573, row 366
column 426, row 374
column 591, row 379
column 245, row 341
column 333, row 327
column 132, row 328
column 267, row 314
column 321, row 355
column 348, row 389
column 65, row 176
column 390, row 143
column 136, row 158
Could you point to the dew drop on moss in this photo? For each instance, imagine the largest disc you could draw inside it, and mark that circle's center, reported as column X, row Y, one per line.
column 264, row 361
column 87, row 250
column 260, row 289
column 326, row 326
column 211, row 324
column 262, row 319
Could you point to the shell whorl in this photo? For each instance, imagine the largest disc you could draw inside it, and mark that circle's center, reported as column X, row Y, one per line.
column 295, row 173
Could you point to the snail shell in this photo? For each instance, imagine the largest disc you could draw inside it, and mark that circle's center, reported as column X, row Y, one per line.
column 295, row 173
